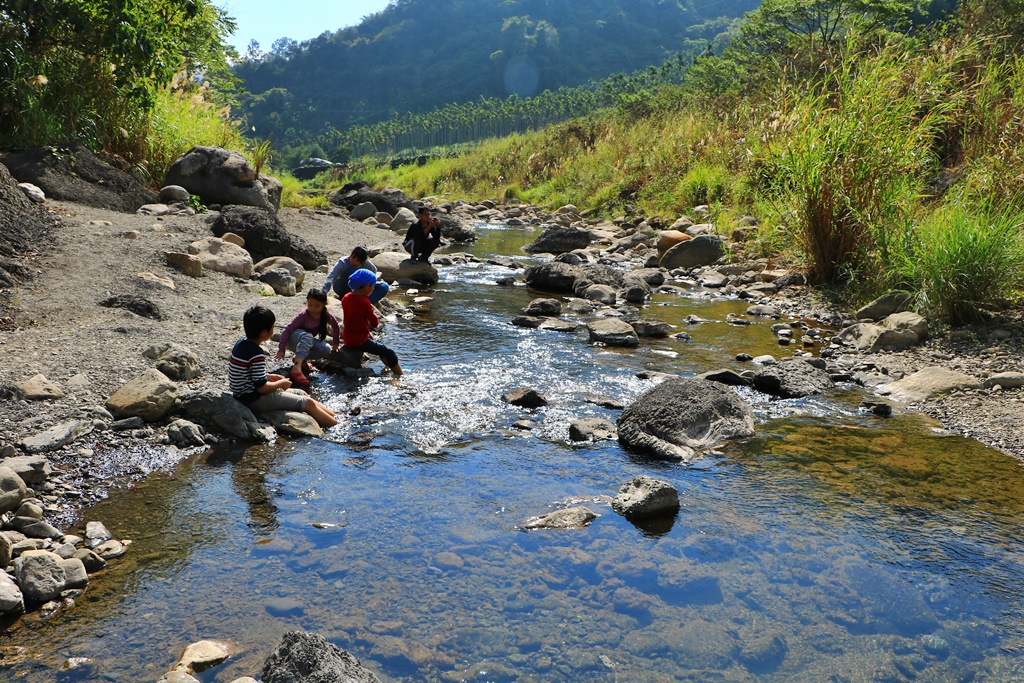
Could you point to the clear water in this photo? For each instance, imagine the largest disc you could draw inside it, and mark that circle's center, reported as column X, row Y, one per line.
column 829, row 547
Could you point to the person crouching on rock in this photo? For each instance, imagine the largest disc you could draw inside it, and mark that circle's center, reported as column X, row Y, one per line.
column 337, row 279
column 424, row 236
column 250, row 383
column 360, row 318
column 301, row 335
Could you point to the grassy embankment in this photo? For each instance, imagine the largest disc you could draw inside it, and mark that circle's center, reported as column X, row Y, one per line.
column 901, row 167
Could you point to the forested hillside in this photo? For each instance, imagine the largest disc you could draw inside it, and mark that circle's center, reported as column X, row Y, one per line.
column 418, row 55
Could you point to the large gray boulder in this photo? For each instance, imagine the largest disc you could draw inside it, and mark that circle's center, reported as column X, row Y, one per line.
column 885, row 305
column 311, row 167
column 220, row 256
column 33, row 469
column 872, row 338
column 40, row 575
column 310, row 658
column 220, row 411
column 296, row 424
column 455, row 229
column 612, row 332
column 558, row 239
column 552, row 277
column 679, row 416
column 907, row 320
column 265, row 236
column 223, row 176
column 793, row 378
column 394, row 266
column 928, row 383
column 700, row 251
column 150, row 396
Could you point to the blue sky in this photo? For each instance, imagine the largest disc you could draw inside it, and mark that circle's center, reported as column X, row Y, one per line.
column 267, row 20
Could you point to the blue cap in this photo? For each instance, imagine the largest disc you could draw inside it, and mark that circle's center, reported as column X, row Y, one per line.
column 361, row 278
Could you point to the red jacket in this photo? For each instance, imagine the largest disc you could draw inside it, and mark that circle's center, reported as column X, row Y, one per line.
column 359, row 318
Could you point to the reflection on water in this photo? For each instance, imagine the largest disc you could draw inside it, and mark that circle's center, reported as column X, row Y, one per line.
column 830, row 546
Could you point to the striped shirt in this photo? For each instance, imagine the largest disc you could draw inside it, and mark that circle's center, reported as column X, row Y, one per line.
column 247, row 370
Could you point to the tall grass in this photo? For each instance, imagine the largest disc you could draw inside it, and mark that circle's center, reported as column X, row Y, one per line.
column 966, row 260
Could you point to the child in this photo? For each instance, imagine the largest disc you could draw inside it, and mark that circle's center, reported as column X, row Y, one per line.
column 299, row 336
column 360, row 318
column 337, row 279
column 248, row 378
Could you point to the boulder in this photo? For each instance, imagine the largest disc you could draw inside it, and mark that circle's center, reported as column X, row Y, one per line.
column 553, row 325
column 201, row 656
column 569, row 518
column 726, row 376
column 558, row 239
column 174, row 360
column 552, row 277
column 394, row 266
column 75, row 575
column 223, row 257
column 793, row 378
column 223, row 176
column 11, row 599
column 311, row 167
column 1005, row 380
column 35, row 528
column 700, row 251
column 649, row 327
column 885, row 305
column 645, row 496
column 525, row 398
column 39, row 388
column 96, row 533
column 455, row 229
column 280, row 280
column 907, row 320
column 73, row 173
column 185, row 433
column 679, row 416
column 90, row 560
column 612, row 332
column 172, row 194
column 265, row 236
column 34, row 194
column 544, row 307
column 928, row 383
column 310, row 658
column 39, row 575
column 293, row 267
column 670, row 238
column 12, row 490
column 873, row 338
column 150, row 396
column 6, row 553
column 591, row 429
column 220, row 411
column 403, row 220
column 603, row 294
column 189, row 264
column 389, row 202
column 361, row 212
column 34, row 470
column 296, row 424
column 56, row 437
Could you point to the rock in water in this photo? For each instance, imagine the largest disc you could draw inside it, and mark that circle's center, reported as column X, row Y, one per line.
column 558, row 239
column 569, row 518
column 309, row 658
column 793, row 378
column 644, row 496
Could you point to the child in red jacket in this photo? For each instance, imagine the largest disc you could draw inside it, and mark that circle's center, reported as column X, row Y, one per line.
column 360, row 318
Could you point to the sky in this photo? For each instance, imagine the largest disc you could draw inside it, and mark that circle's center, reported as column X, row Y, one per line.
column 267, row 20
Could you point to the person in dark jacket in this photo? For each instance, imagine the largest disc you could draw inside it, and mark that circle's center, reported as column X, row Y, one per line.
column 424, row 236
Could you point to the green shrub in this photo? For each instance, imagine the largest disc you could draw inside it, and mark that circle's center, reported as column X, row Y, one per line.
column 702, row 184
column 966, row 260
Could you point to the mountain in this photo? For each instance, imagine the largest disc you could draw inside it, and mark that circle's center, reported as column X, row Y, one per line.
column 419, row 55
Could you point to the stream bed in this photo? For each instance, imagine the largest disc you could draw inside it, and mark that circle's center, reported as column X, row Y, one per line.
column 831, row 546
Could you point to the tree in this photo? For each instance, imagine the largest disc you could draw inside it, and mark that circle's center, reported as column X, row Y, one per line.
column 822, row 23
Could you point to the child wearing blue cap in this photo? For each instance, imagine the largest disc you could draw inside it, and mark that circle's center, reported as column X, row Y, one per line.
column 360, row 318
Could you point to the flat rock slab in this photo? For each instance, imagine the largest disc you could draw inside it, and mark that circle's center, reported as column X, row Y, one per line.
column 56, row 437
column 928, row 383
column 569, row 518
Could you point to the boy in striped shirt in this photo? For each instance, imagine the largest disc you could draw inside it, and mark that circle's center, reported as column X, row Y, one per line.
column 248, row 378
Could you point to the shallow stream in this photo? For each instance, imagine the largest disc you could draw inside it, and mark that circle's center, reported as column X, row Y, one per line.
column 830, row 546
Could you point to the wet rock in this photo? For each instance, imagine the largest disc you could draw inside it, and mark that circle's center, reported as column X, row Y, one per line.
column 762, row 652
column 885, row 305
column 880, row 408
column 612, row 332
column 39, row 388
column 792, row 379
column 75, row 575
column 649, row 327
column 559, row 325
column 700, row 251
column 702, row 645
column 678, row 416
column 568, row 518
column 220, row 411
column 308, row 657
column 764, row 360
column 39, row 575
column 201, row 656
column 551, row 277
column 34, row 528
column 927, row 383
column 763, row 311
column 34, row 470
column 174, row 360
column 12, row 601
column 558, row 239
column 725, row 376
column 525, row 425
column 544, row 307
column 177, row 677
column 591, row 429
column 604, row 294
column 527, row 321
column 935, row 645
column 284, row 607
column 150, row 396
column 221, row 256
column 96, row 533
column 109, row 550
column 90, row 560
column 296, row 424
column 56, row 437
column 604, row 402
column 526, row 398
column 644, row 497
